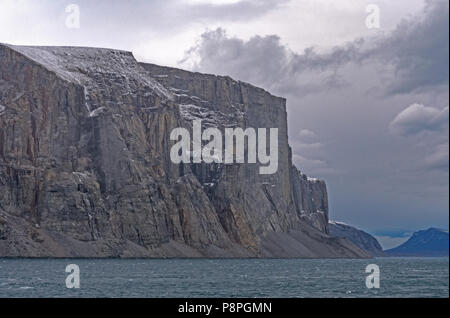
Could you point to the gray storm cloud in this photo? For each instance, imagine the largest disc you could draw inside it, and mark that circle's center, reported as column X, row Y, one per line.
column 353, row 98
column 417, row 50
column 439, row 158
column 163, row 14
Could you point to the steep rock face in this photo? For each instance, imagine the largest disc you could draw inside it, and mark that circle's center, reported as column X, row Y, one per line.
column 85, row 167
column 362, row 239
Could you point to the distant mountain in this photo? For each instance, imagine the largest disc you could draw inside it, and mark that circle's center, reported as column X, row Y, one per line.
column 430, row 242
column 358, row 237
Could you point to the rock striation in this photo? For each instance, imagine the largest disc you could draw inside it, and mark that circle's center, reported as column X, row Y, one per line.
column 362, row 239
column 85, row 168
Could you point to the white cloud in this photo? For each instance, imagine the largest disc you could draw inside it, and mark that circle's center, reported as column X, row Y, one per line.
column 306, row 133
column 418, row 118
column 428, row 128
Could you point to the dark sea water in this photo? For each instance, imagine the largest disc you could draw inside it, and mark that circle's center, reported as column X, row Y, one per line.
column 399, row 277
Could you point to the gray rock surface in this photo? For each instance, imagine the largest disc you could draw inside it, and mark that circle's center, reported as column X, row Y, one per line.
column 362, row 239
column 85, row 168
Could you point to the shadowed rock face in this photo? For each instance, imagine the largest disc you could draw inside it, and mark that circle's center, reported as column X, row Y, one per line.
column 431, row 242
column 85, row 168
column 362, row 239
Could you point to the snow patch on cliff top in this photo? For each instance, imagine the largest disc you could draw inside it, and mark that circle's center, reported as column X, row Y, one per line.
column 338, row 223
column 81, row 65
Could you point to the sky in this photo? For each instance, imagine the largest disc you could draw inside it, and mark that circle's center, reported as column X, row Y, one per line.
column 366, row 82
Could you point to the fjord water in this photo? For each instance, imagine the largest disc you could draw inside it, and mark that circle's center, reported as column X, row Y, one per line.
column 399, row 277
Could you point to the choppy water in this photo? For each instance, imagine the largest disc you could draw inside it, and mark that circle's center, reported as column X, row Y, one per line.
column 399, row 277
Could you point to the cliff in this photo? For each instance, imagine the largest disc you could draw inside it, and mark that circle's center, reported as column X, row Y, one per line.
column 362, row 239
column 85, row 168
